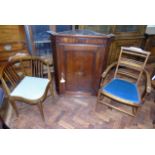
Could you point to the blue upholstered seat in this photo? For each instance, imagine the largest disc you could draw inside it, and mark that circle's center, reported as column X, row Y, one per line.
column 122, row 89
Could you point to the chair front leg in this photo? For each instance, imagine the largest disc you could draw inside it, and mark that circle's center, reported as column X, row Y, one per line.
column 134, row 110
column 99, row 96
column 40, row 106
column 51, row 89
column 13, row 103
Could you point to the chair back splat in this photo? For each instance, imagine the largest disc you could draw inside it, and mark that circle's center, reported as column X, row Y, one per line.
column 31, row 65
column 9, row 77
column 37, row 68
column 131, row 62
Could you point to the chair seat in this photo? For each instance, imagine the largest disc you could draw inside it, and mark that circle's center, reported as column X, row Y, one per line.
column 123, row 90
column 31, row 88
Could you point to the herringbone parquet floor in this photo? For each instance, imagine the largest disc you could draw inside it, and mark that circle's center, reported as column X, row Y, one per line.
column 81, row 112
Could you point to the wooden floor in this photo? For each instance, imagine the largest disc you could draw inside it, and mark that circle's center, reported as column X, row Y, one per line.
column 80, row 113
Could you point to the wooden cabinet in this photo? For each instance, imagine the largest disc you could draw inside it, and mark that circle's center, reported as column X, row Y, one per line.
column 116, row 47
column 121, row 30
column 39, row 39
column 106, row 29
column 150, row 45
column 80, row 57
column 129, row 30
column 125, row 35
column 12, row 41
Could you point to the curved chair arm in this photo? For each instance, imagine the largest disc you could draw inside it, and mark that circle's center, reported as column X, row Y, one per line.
column 104, row 74
column 44, row 61
column 148, row 82
column 29, row 58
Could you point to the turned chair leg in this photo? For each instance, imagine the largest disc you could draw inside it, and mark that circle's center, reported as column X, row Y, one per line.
column 40, row 106
column 15, row 107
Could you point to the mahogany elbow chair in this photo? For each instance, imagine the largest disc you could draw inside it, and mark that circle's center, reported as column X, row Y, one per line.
column 124, row 86
column 29, row 85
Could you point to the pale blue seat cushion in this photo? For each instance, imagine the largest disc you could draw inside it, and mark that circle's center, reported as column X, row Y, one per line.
column 31, row 88
column 123, row 89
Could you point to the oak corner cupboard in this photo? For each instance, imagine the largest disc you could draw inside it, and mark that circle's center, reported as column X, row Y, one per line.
column 80, row 56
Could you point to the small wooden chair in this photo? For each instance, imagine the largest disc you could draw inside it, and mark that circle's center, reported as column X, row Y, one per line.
column 24, row 80
column 124, row 86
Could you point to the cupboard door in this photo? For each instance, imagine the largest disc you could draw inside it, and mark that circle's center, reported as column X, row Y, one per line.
column 80, row 67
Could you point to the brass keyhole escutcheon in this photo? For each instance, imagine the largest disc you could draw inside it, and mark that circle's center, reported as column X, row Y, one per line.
column 80, row 73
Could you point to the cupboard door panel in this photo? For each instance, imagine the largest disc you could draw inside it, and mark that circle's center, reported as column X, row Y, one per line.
column 79, row 69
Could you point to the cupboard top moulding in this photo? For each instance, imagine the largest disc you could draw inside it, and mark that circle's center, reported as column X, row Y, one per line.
column 80, row 56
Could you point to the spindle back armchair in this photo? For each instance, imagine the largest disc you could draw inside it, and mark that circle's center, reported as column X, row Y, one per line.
column 24, row 79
